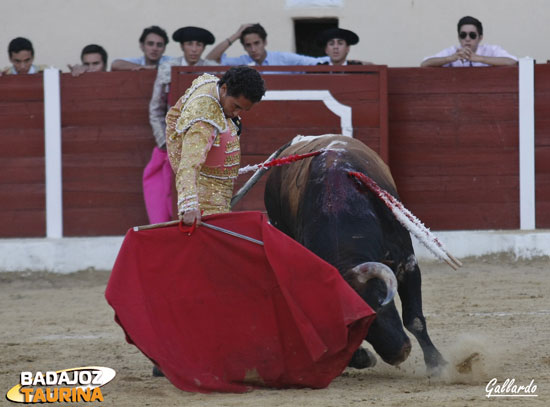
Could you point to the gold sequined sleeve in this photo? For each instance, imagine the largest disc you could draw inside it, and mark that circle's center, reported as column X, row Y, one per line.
column 195, row 146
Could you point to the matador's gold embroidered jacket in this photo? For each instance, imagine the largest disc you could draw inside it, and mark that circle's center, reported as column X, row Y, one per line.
column 203, row 148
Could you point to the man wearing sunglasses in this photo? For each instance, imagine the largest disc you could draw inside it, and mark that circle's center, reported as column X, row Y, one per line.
column 470, row 52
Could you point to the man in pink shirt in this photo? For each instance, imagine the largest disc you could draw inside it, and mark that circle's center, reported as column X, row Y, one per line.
column 470, row 52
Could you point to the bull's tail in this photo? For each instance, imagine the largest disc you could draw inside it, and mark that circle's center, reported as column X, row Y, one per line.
column 409, row 221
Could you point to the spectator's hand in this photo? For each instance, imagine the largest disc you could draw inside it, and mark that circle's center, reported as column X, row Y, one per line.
column 241, row 29
column 238, row 33
column 459, row 54
column 77, row 70
column 357, row 62
column 188, row 217
column 466, row 53
column 476, row 58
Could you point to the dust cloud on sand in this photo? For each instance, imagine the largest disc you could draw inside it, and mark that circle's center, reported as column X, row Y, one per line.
column 490, row 319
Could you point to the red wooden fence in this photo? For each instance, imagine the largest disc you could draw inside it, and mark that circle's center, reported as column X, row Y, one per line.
column 451, row 137
column 542, row 145
column 22, row 185
column 107, row 142
column 454, row 145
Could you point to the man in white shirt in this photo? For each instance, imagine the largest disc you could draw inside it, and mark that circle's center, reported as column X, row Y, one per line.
column 21, row 53
column 470, row 52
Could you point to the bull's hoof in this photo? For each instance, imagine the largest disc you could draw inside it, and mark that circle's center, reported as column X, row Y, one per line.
column 362, row 358
column 157, row 372
column 436, row 371
column 435, row 365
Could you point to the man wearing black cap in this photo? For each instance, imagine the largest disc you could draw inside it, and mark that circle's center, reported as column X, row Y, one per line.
column 337, row 42
column 156, row 177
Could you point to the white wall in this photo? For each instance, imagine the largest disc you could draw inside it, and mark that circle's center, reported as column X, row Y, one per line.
column 79, row 253
column 392, row 32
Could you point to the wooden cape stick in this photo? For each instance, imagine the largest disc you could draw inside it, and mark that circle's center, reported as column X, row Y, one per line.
column 213, row 227
column 156, row 225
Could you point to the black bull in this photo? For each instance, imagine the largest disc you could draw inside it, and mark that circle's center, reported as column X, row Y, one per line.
column 316, row 202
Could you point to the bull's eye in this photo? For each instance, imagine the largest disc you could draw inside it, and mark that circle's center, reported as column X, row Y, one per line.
column 358, row 237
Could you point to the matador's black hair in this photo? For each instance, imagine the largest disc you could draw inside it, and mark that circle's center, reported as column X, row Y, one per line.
column 245, row 81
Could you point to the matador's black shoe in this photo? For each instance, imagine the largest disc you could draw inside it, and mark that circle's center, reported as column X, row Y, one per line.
column 157, row 372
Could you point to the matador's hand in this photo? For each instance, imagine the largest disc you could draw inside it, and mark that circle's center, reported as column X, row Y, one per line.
column 188, row 217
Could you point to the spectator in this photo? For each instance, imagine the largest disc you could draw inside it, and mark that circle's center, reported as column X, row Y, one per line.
column 470, row 52
column 93, row 58
column 21, row 55
column 157, row 176
column 152, row 42
column 202, row 136
column 253, row 37
column 337, row 42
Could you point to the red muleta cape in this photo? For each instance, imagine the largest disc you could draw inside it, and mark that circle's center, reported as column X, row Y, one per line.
column 219, row 313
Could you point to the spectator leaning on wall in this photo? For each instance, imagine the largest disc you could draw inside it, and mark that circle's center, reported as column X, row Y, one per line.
column 470, row 52
column 253, row 37
column 152, row 42
column 21, row 53
column 93, row 58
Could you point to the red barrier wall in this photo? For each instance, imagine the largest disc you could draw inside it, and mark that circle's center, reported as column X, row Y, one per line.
column 542, row 145
column 22, row 185
column 451, row 137
column 107, row 141
column 454, row 145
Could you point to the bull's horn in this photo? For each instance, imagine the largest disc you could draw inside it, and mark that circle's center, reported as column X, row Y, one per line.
column 359, row 275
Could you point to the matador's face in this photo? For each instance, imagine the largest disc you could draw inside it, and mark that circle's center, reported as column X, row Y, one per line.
column 233, row 105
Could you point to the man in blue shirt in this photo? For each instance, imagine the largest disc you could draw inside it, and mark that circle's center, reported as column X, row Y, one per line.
column 152, row 43
column 253, row 37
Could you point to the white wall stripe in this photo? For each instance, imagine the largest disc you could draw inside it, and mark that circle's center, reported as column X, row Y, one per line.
column 527, row 143
column 52, row 152
column 343, row 111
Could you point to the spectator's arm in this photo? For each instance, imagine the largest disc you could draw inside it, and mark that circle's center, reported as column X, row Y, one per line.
column 495, row 61
column 158, row 105
column 218, row 50
column 77, row 70
column 122, row 65
column 291, row 58
column 438, row 61
column 358, row 62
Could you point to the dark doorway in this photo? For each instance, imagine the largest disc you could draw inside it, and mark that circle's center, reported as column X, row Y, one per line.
column 306, row 31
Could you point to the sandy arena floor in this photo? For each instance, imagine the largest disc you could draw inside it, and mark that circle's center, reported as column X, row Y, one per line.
column 496, row 307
